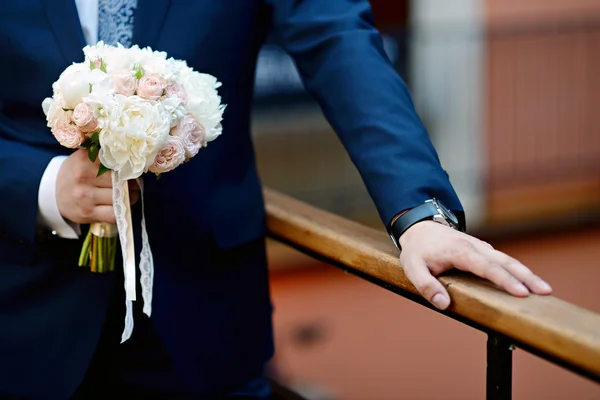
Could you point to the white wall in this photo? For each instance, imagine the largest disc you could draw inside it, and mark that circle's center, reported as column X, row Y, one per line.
column 447, row 82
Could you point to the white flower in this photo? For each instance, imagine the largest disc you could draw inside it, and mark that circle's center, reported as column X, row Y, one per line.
column 53, row 109
column 153, row 62
column 115, row 58
column 74, row 85
column 70, row 71
column 174, row 68
column 204, row 102
column 173, row 106
column 133, row 132
column 47, row 104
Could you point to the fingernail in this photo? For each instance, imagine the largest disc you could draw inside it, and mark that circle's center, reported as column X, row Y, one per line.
column 522, row 289
column 440, row 301
column 542, row 285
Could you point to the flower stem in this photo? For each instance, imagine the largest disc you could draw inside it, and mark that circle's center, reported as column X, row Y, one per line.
column 84, row 256
column 98, row 253
column 101, row 254
column 94, row 255
column 113, row 253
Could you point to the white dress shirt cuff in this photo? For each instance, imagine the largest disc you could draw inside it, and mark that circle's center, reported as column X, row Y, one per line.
column 49, row 215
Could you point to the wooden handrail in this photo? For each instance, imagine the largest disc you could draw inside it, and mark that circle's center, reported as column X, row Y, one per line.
column 548, row 325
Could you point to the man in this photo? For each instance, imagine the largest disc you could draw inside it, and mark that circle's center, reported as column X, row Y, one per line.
column 210, row 332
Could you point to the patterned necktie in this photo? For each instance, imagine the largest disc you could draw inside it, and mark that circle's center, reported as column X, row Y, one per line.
column 115, row 21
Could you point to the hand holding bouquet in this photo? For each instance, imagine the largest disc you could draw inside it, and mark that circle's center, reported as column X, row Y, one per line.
column 137, row 111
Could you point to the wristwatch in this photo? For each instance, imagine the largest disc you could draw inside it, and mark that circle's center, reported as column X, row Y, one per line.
column 432, row 210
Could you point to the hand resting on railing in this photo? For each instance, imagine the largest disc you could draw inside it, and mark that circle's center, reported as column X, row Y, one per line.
column 547, row 324
column 430, row 249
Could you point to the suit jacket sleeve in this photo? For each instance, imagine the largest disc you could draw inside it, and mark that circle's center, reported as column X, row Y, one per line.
column 341, row 59
column 21, row 170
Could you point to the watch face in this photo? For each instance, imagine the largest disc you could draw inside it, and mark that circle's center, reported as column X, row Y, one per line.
column 446, row 212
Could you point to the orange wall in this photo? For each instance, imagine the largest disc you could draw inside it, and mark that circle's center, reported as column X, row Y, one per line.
column 543, row 107
column 536, row 9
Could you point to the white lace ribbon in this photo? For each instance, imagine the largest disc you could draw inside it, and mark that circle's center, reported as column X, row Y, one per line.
column 146, row 260
column 125, row 227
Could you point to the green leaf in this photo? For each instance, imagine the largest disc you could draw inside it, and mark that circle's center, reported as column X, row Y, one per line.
column 93, row 152
column 68, row 109
column 139, row 71
column 102, row 66
column 87, row 144
column 91, row 87
column 102, row 170
column 96, row 137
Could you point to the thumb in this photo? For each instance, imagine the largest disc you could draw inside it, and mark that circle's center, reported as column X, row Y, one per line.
column 428, row 286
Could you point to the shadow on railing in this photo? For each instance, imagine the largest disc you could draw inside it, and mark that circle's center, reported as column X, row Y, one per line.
column 546, row 326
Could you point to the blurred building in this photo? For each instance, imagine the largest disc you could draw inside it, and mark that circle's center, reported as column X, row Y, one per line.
column 510, row 94
column 507, row 89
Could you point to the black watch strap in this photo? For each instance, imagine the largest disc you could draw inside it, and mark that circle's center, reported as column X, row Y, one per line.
column 423, row 212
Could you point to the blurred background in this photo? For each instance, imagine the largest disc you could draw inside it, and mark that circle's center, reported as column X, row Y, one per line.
column 510, row 93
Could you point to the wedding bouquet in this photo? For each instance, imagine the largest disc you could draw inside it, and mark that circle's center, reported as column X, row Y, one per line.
column 137, row 111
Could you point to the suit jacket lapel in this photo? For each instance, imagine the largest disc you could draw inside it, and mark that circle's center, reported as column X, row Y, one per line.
column 148, row 22
column 64, row 22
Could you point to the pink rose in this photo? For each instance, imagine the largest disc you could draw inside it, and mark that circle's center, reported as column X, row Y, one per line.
column 83, row 116
column 174, row 89
column 170, row 156
column 67, row 133
column 125, row 82
column 192, row 134
column 151, row 87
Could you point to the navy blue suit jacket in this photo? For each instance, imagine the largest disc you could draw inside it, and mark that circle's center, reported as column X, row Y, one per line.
column 211, row 303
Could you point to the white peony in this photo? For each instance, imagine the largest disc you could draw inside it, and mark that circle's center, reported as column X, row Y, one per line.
column 70, row 71
column 173, row 106
column 115, row 59
column 174, row 69
column 204, row 102
column 133, row 131
column 76, row 84
column 47, row 105
column 153, row 62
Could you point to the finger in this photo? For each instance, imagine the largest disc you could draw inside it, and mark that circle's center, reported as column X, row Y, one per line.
column 83, row 169
column 134, row 191
column 429, row 287
column 84, row 159
column 81, row 154
column 536, row 284
column 102, row 196
column 134, row 196
column 104, row 214
column 133, row 185
column 481, row 264
column 103, row 181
